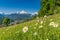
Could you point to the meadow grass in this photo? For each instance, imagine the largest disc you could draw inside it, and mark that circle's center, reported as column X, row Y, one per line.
column 44, row 28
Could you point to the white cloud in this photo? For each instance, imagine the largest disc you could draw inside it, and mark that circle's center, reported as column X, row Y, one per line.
column 1, row 12
column 35, row 13
column 23, row 12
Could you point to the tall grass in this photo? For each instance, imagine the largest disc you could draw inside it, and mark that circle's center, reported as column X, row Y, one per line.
column 46, row 28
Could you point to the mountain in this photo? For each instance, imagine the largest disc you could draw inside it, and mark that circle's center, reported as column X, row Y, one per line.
column 1, row 18
column 1, row 15
column 16, row 16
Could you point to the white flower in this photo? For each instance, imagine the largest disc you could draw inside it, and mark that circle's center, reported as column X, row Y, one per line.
column 53, row 24
column 57, row 25
column 45, row 16
column 40, row 26
column 47, row 39
column 41, row 22
column 35, row 33
column 25, row 29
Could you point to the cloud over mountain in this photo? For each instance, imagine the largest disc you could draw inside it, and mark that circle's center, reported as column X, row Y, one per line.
column 35, row 13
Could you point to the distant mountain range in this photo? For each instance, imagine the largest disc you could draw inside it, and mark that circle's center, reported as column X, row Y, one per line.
column 15, row 16
column 18, row 16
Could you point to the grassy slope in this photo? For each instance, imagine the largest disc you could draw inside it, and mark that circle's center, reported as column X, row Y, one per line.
column 46, row 32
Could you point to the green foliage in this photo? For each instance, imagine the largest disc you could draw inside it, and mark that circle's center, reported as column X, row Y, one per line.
column 34, row 16
column 6, row 21
column 49, row 7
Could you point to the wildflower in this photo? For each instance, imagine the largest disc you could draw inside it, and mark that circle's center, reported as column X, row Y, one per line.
column 41, row 22
column 47, row 39
column 53, row 24
column 35, row 33
column 40, row 26
column 25, row 29
column 45, row 16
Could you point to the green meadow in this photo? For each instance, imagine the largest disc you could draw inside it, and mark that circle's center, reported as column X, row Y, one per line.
column 44, row 28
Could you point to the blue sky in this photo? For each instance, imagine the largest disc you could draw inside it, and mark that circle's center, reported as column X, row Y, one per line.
column 18, row 5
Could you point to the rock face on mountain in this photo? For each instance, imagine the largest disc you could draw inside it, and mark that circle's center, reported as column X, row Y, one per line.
column 19, row 16
column 49, row 7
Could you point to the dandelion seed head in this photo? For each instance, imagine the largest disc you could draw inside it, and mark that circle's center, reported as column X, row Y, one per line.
column 25, row 29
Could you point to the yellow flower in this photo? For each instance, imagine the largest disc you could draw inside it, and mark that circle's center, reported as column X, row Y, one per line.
column 25, row 29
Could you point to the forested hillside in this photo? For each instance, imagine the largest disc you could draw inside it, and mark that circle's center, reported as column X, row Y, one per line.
column 49, row 7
